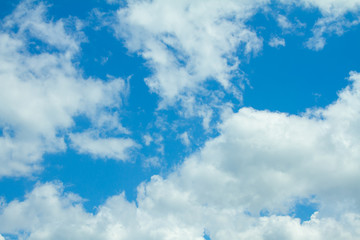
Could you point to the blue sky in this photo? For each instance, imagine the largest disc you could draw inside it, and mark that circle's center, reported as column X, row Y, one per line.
column 179, row 119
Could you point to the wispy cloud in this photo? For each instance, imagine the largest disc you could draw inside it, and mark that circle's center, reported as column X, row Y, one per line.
column 187, row 43
column 42, row 90
column 276, row 42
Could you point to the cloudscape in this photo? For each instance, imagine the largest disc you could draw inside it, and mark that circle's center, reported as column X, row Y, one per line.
column 184, row 119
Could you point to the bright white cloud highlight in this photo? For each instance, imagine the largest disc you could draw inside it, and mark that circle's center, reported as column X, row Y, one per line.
column 260, row 161
column 41, row 90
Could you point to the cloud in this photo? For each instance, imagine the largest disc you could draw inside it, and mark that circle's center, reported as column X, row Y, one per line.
column 184, row 137
column 189, row 44
column 48, row 213
column 100, row 147
column 276, row 42
column 147, row 139
column 261, row 160
column 186, row 43
column 328, row 25
column 284, row 22
column 333, row 20
column 42, row 90
column 332, row 7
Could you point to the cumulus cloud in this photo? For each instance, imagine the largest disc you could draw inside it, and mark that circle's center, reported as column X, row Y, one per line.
column 41, row 89
column 188, row 42
column 261, row 160
column 48, row 213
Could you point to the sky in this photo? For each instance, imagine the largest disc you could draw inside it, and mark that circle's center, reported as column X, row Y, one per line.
column 187, row 119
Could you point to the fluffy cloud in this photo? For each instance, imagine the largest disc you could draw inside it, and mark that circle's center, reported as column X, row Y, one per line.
column 41, row 90
column 261, row 161
column 188, row 42
column 47, row 213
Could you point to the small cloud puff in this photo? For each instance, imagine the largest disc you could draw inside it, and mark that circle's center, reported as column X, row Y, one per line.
column 184, row 137
column 276, row 42
column 147, row 139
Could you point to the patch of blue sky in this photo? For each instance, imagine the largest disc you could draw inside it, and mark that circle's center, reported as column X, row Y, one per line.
column 15, row 188
column 7, row 7
column 7, row 131
column 94, row 179
column 12, row 236
column 302, row 209
column 206, row 236
column 81, row 9
column 294, row 78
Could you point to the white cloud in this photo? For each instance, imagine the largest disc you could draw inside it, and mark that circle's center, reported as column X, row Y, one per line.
column 147, row 139
column 328, row 25
column 261, row 160
column 184, row 137
column 48, row 213
column 276, row 42
column 332, row 7
column 41, row 90
column 100, row 147
column 333, row 20
column 284, row 22
column 188, row 42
